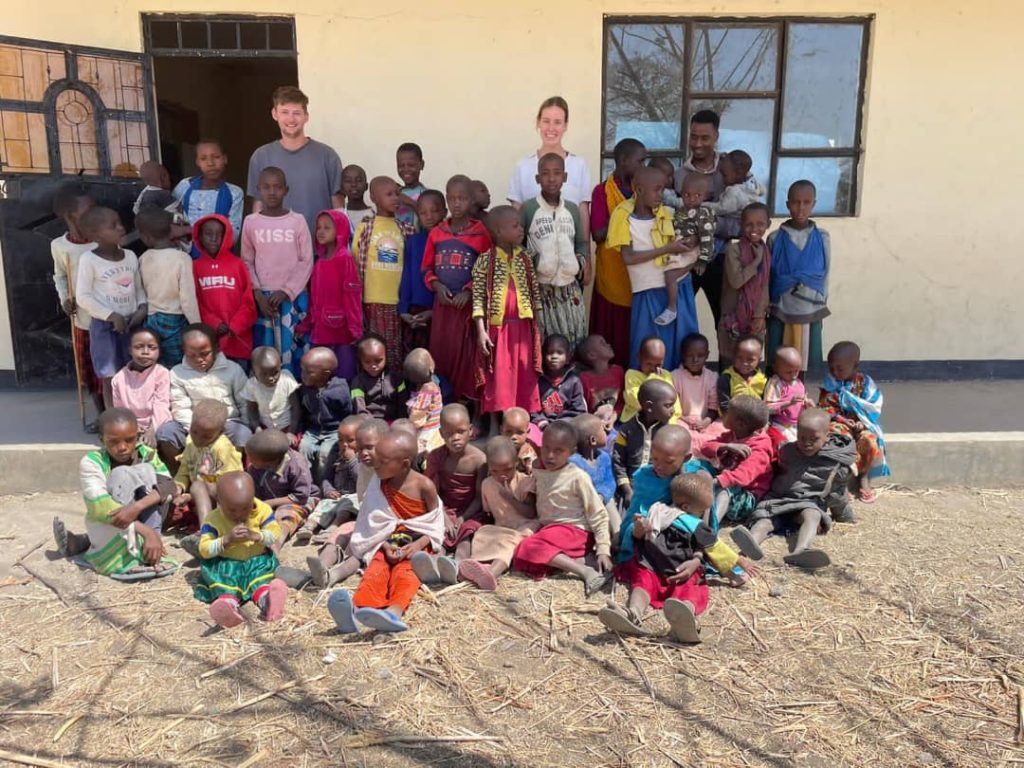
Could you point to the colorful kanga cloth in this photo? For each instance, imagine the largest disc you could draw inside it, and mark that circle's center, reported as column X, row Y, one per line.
column 240, row 568
column 860, row 399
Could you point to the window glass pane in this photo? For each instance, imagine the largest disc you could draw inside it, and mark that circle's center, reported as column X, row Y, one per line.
column 822, row 84
column 747, row 125
column 833, row 177
column 164, row 34
column 193, row 35
column 734, row 58
column 644, row 84
column 224, row 35
column 281, row 37
column 254, row 36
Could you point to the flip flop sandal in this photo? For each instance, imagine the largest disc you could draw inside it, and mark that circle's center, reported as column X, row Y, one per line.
column 595, row 584
column 339, row 605
column 380, row 620
column 60, row 536
column 809, row 559
column 190, row 544
column 296, row 578
column 145, row 575
column 479, row 574
column 317, row 572
column 681, row 620
column 302, row 537
column 225, row 613
column 618, row 621
column 745, row 541
column 277, row 596
column 867, row 495
column 425, row 568
column 448, row 570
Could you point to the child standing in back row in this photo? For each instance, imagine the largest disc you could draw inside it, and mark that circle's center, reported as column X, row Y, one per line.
column 335, row 317
column 379, row 250
column 555, row 237
column 109, row 288
column 415, row 299
column 409, row 165
column 801, row 254
column 695, row 225
column 453, row 247
column 353, row 187
column 208, row 192
column 278, row 250
column 745, row 297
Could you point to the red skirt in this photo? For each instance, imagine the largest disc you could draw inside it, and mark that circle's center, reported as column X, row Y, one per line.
column 694, row 591
column 511, row 374
column 383, row 319
column 535, row 552
column 612, row 322
column 89, row 380
column 453, row 347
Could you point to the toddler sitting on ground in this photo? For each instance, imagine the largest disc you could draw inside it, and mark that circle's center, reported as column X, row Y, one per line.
column 785, row 395
column 282, row 480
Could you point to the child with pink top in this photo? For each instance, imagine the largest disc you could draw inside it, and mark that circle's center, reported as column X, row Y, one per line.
column 143, row 386
column 785, row 395
column 697, row 388
column 278, row 250
column 335, row 317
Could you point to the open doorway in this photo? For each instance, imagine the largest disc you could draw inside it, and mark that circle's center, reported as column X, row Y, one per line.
column 213, row 77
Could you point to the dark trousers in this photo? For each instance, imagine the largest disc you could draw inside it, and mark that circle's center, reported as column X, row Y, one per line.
column 711, row 283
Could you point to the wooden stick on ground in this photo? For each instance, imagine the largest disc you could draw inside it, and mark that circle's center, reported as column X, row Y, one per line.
column 268, row 694
column 171, row 725
column 526, row 690
column 45, row 582
column 358, row 742
column 1020, row 714
column 67, row 725
column 750, row 629
column 230, row 664
column 254, row 759
column 15, row 757
column 636, row 663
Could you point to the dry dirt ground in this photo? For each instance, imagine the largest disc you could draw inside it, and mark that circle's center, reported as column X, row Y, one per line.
column 907, row 652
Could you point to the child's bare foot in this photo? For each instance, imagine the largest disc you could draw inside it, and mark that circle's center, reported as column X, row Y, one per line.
column 808, row 559
column 273, row 602
column 68, row 544
column 620, row 620
column 224, row 611
column 667, row 317
column 479, row 574
column 682, row 620
column 295, row 578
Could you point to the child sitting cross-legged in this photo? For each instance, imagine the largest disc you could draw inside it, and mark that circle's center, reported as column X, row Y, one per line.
column 505, row 497
column 662, row 561
column 807, row 494
column 785, row 395
column 697, row 387
column 324, row 400
column 208, row 454
column 854, row 402
column 560, row 388
column 651, row 359
column 238, row 562
column 744, row 376
column 573, row 520
column 745, row 453
column 282, row 479
column 593, row 459
column 457, row 469
column 635, row 438
column 377, row 389
column 124, row 485
column 401, row 515
column 268, row 393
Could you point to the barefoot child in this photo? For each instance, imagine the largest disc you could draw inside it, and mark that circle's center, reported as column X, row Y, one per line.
column 325, row 400
column 744, row 376
column 269, row 394
column 808, row 492
column 144, row 386
column 415, row 299
column 379, row 249
column 109, row 288
column 124, row 485
column 457, row 469
column 603, row 381
column 593, row 459
column 635, row 438
column 554, row 236
column 745, row 452
column 278, row 250
column 518, row 428
column 666, row 567
column 401, row 516
column 335, row 317
column 651, row 360
column 238, row 563
column 425, row 399
column 282, row 480
column 452, row 249
column 168, row 282
column 573, row 520
column 747, row 265
column 694, row 224
column 504, row 498
column 697, row 387
column 506, row 305
column 377, row 390
column 208, row 454
column 223, row 289
column 785, row 395
column 854, row 402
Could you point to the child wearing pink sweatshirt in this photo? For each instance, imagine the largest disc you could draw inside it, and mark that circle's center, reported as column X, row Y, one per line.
column 278, row 250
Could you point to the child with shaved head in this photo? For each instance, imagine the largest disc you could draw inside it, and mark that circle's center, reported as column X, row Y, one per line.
column 325, row 400
column 517, row 427
column 237, row 562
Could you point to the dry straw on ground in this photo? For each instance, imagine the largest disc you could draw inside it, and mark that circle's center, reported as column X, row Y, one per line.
column 906, row 652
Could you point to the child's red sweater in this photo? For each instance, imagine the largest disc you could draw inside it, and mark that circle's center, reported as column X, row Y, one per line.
column 224, row 292
column 753, row 473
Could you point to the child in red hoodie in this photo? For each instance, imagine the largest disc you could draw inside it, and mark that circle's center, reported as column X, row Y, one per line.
column 746, row 454
column 223, row 289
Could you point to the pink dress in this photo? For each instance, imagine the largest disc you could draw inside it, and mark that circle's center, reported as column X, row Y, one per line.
column 777, row 394
column 697, row 396
column 146, row 393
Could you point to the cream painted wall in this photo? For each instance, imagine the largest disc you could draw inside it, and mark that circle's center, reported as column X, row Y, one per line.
column 924, row 272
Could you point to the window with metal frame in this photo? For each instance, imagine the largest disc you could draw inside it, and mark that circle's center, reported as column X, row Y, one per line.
column 789, row 91
column 219, row 35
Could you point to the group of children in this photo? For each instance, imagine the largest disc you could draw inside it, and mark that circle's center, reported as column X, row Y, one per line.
column 327, row 388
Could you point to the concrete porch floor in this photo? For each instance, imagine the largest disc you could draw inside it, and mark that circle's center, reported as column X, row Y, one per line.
column 940, row 433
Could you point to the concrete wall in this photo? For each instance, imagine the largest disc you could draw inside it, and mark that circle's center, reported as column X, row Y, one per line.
column 925, row 271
